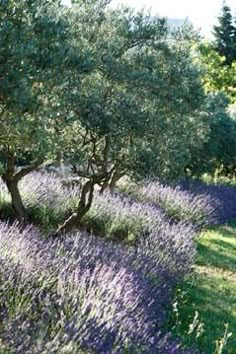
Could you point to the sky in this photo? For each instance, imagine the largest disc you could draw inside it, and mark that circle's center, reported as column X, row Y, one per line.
column 202, row 13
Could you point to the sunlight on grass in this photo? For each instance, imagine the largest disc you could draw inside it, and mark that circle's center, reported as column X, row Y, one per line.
column 212, row 290
column 217, row 248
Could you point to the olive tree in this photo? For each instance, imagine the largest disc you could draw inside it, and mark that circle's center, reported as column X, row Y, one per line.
column 138, row 110
column 111, row 90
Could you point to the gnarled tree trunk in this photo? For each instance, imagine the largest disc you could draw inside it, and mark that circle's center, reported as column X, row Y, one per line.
column 104, row 186
column 12, row 177
column 17, row 203
column 85, row 203
column 111, row 181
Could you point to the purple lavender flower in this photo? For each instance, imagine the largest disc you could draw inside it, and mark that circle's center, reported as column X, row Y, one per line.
column 83, row 292
column 135, row 221
column 172, row 243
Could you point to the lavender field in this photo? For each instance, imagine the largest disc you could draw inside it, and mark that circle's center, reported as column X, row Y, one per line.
column 107, row 286
column 111, row 119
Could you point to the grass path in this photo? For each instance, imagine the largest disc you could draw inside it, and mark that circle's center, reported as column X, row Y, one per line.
column 212, row 290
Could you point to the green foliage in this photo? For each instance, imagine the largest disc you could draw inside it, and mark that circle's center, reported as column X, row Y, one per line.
column 29, row 34
column 219, row 179
column 217, row 154
column 216, row 76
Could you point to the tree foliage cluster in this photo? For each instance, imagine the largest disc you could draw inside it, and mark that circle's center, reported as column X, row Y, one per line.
column 217, row 155
column 217, row 77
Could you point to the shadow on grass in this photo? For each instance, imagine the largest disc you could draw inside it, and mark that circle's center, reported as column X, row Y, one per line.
column 224, row 245
column 211, row 292
column 216, row 258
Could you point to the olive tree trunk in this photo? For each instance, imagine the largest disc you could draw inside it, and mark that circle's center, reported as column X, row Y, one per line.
column 84, row 205
column 11, row 177
column 16, row 200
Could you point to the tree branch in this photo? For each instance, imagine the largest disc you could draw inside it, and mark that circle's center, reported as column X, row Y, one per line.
column 27, row 169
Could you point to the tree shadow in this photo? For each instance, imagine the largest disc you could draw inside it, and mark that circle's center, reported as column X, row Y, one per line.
column 224, row 245
column 210, row 257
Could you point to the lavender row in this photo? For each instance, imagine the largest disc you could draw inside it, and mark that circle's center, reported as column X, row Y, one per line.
column 194, row 202
column 172, row 243
column 81, row 293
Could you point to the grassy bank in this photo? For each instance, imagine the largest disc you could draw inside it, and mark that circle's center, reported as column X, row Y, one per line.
column 211, row 292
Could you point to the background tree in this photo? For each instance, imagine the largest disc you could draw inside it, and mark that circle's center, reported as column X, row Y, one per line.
column 224, row 35
column 216, row 77
column 218, row 154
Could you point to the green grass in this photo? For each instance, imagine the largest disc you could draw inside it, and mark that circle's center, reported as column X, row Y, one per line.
column 211, row 291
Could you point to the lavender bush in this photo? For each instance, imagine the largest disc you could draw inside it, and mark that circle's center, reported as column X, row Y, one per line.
column 45, row 197
column 85, row 294
column 80, row 294
column 45, row 189
column 178, row 203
